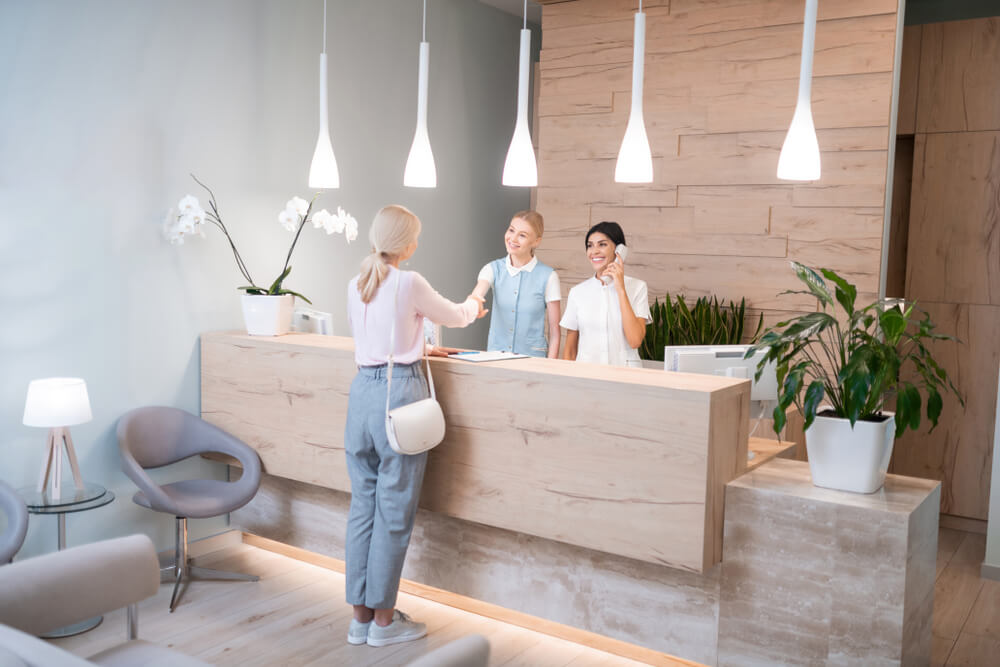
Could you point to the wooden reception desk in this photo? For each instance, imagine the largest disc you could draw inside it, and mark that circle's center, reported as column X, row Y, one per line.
column 630, row 462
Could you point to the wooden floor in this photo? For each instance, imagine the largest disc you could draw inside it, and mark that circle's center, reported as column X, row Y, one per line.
column 296, row 615
column 966, row 607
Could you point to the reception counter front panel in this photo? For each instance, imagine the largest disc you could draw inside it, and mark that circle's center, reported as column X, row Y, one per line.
column 630, row 462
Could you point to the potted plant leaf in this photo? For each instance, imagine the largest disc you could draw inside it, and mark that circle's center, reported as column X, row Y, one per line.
column 842, row 368
column 267, row 311
column 707, row 322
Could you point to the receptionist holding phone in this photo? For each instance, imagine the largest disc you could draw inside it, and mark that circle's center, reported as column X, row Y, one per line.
column 606, row 315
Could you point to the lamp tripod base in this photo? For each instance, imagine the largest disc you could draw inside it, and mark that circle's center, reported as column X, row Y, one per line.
column 58, row 438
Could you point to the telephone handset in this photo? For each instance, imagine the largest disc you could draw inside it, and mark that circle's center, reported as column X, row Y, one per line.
column 621, row 254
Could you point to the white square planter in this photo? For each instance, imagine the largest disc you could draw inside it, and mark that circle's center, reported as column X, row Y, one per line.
column 267, row 315
column 849, row 459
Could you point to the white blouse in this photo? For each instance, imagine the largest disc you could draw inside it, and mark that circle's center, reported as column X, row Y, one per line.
column 593, row 309
column 371, row 323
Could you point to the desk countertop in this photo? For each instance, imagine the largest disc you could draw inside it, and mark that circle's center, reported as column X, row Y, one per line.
column 624, row 460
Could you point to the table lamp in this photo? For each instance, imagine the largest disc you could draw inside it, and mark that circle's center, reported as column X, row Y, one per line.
column 57, row 403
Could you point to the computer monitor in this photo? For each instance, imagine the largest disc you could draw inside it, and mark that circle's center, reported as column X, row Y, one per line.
column 724, row 360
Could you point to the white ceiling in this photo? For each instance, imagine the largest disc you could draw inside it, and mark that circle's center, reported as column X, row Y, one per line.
column 516, row 7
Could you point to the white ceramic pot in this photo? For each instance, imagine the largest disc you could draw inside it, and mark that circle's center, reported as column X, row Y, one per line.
column 267, row 315
column 849, row 459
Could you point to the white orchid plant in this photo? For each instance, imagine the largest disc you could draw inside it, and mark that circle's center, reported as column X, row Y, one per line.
column 191, row 218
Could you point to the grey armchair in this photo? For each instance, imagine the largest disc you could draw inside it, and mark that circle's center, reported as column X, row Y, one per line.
column 152, row 437
column 16, row 512
column 42, row 593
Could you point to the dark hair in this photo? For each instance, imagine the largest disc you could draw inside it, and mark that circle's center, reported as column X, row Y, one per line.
column 610, row 229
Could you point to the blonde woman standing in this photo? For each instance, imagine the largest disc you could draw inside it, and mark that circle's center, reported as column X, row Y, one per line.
column 385, row 485
column 526, row 293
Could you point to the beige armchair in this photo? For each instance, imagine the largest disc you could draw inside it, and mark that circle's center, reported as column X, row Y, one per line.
column 40, row 594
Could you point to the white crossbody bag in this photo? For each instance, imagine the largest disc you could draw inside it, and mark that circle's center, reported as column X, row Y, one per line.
column 418, row 426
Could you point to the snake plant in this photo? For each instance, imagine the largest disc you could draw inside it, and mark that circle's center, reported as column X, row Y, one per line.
column 707, row 322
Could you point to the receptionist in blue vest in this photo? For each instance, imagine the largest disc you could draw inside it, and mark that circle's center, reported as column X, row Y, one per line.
column 606, row 315
column 526, row 293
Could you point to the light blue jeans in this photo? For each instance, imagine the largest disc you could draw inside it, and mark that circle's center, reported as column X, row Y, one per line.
column 385, row 486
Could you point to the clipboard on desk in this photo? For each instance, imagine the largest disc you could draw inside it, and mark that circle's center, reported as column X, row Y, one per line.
column 476, row 356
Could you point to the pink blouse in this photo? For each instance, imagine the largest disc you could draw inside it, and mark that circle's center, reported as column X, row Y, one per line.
column 370, row 322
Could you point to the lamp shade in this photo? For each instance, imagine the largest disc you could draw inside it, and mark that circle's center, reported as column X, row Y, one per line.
column 520, row 168
column 323, row 171
column 55, row 402
column 420, row 171
column 799, row 158
column 635, row 161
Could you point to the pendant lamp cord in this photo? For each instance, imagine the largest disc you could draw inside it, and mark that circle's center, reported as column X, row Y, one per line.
column 525, row 15
column 324, row 26
column 424, row 36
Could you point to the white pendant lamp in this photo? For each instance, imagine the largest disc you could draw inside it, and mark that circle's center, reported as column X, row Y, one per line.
column 323, row 171
column 635, row 161
column 420, row 171
column 799, row 159
column 520, row 169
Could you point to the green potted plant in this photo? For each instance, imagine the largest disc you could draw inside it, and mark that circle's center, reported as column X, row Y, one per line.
column 267, row 311
column 706, row 323
column 842, row 368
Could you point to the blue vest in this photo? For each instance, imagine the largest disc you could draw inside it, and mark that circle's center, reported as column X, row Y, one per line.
column 517, row 322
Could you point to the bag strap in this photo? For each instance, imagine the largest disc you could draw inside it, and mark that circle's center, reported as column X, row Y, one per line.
column 392, row 346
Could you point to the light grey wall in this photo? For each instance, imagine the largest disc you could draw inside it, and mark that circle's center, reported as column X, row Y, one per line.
column 106, row 106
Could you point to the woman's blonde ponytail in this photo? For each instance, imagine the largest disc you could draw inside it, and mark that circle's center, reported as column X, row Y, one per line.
column 393, row 230
column 373, row 271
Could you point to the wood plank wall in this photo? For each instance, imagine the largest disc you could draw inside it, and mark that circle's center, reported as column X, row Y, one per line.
column 721, row 80
column 952, row 106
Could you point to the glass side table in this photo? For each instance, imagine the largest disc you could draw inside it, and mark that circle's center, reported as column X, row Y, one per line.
column 71, row 500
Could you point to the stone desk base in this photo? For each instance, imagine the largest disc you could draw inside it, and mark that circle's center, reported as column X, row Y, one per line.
column 812, row 576
column 808, row 576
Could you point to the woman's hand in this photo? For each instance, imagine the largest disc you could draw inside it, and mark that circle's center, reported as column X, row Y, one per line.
column 480, row 300
column 616, row 270
column 442, row 351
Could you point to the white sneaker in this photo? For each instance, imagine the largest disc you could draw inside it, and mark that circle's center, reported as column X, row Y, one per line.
column 358, row 632
column 402, row 629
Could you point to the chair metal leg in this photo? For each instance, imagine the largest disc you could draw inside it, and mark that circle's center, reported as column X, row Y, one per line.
column 132, row 621
column 181, row 548
column 175, row 596
column 180, row 560
column 168, row 573
column 182, row 571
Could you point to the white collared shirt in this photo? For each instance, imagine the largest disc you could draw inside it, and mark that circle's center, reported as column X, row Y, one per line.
column 593, row 309
column 553, row 291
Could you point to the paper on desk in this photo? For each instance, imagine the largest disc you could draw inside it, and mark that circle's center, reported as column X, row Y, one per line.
column 487, row 356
